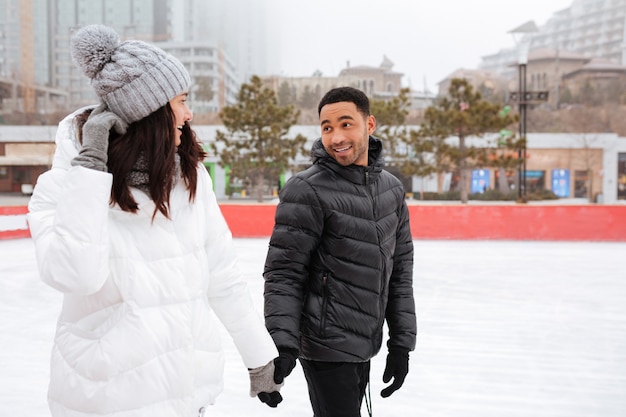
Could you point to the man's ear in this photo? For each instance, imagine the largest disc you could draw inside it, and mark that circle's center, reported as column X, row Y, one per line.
column 371, row 124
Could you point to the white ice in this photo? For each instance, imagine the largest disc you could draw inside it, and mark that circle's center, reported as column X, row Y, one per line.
column 528, row 329
column 13, row 222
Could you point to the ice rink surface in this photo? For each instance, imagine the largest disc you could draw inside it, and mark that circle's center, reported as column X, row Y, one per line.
column 515, row 329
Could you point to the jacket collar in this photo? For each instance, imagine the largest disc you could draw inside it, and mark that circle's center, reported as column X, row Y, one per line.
column 353, row 173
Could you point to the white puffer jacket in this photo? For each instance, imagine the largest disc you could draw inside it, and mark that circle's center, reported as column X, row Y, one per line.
column 136, row 335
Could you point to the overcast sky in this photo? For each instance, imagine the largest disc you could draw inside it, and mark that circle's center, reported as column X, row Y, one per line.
column 426, row 40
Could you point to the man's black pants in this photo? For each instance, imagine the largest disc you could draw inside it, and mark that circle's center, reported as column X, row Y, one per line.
column 336, row 389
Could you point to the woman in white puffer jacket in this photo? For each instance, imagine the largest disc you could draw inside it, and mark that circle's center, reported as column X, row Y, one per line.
column 127, row 226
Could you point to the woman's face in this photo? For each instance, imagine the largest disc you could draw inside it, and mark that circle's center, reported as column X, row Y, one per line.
column 182, row 114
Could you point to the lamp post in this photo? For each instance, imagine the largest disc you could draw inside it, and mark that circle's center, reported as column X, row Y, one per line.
column 523, row 106
column 523, row 98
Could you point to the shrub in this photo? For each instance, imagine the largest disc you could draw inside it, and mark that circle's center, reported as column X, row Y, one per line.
column 488, row 195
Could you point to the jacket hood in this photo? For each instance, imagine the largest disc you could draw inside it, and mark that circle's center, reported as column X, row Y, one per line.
column 353, row 173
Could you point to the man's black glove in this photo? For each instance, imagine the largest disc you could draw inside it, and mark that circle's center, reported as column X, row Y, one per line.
column 284, row 364
column 262, row 385
column 397, row 367
column 270, row 398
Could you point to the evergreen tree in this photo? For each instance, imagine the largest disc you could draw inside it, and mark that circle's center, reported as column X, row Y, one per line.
column 203, row 90
column 505, row 156
column 255, row 145
column 461, row 114
column 309, row 99
column 427, row 156
column 285, row 96
column 391, row 128
column 391, row 123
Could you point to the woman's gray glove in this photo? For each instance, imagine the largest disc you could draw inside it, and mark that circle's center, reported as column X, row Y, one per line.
column 262, row 385
column 93, row 153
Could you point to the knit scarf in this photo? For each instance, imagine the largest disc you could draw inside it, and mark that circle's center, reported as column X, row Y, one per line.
column 138, row 177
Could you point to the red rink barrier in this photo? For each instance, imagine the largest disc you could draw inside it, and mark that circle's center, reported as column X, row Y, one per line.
column 248, row 220
column 453, row 222
column 526, row 222
column 14, row 234
column 474, row 222
column 13, row 210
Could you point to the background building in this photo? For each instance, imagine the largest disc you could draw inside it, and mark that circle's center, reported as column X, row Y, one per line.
column 586, row 166
column 588, row 37
column 378, row 82
column 221, row 43
column 490, row 84
column 591, row 28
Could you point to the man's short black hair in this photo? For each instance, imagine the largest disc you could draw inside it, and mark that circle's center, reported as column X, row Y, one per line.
column 349, row 94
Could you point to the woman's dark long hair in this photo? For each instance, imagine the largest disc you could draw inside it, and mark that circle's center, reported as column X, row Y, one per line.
column 153, row 137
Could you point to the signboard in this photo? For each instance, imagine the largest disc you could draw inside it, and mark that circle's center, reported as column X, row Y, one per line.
column 529, row 96
column 480, row 180
column 560, row 182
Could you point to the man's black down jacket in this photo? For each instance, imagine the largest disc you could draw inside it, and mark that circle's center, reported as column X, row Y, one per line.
column 340, row 262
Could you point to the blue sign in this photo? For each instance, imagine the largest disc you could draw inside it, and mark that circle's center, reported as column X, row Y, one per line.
column 480, row 180
column 560, row 182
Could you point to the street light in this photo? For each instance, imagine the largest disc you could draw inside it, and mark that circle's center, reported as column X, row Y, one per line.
column 522, row 46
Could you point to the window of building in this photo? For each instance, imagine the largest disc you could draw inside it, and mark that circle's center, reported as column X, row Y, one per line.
column 535, row 181
column 511, row 179
column 204, row 66
column 580, row 184
column 480, row 181
column 22, row 175
column 204, row 52
column 561, row 182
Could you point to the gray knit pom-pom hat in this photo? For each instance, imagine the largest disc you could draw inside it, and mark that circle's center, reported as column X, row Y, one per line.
column 133, row 78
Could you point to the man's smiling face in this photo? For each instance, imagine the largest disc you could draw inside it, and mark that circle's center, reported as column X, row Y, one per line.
column 345, row 132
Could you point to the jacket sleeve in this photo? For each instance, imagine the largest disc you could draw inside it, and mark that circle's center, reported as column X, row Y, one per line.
column 400, row 313
column 228, row 293
column 298, row 228
column 67, row 217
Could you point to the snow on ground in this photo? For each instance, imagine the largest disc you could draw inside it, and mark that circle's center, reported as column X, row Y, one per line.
column 528, row 329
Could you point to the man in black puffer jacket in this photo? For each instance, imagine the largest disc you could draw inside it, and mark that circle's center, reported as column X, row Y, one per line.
column 340, row 263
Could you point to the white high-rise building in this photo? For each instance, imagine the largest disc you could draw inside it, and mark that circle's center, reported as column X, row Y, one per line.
column 593, row 28
column 240, row 27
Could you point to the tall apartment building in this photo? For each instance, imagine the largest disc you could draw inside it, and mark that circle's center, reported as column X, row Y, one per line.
column 25, row 61
column 221, row 43
column 582, row 44
column 242, row 29
column 210, row 68
column 593, row 28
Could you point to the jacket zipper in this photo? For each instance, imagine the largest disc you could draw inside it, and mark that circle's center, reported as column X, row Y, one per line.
column 324, row 305
column 381, row 319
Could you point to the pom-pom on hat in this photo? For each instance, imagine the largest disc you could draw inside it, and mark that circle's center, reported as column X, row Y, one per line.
column 133, row 78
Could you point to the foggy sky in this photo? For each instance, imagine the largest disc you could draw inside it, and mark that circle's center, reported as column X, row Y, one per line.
column 426, row 40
